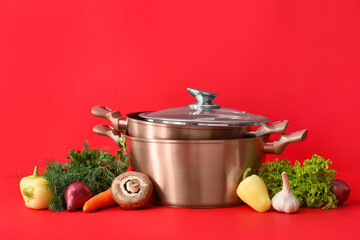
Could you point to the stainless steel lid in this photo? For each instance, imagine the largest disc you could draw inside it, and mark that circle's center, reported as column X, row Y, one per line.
column 205, row 113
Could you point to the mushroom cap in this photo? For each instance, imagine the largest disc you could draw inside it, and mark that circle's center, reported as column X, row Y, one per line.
column 127, row 199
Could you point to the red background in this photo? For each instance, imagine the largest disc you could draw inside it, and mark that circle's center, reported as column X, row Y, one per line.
column 295, row 60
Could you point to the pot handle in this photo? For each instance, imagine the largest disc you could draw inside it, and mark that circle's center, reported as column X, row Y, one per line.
column 266, row 129
column 119, row 122
column 108, row 131
column 278, row 146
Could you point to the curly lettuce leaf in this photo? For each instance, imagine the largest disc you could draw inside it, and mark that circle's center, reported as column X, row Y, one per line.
column 310, row 182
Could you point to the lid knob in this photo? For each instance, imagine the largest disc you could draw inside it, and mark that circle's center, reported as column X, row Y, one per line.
column 204, row 99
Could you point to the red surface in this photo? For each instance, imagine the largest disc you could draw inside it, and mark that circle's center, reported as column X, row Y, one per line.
column 296, row 60
column 154, row 222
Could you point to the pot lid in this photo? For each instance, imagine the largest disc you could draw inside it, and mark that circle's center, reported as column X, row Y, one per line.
column 205, row 113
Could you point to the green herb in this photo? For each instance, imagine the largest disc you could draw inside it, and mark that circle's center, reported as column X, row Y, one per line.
column 310, row 182
column 95, row 168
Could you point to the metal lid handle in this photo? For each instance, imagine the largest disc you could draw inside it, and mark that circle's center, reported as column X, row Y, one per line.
column 204, row 99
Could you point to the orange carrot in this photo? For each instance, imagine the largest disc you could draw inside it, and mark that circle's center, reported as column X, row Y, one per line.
column 103, row 199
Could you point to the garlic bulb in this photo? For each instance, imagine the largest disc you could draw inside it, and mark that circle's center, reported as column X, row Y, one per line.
column 285, row 200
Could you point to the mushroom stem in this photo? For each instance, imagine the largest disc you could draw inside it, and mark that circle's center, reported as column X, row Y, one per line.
column 133, row 185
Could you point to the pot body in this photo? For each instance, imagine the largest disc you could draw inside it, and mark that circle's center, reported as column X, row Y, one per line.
column 140, row 128
column 195, row 173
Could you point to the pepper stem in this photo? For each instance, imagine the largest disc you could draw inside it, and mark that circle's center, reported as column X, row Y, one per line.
column 36, row 173
column 246, row 173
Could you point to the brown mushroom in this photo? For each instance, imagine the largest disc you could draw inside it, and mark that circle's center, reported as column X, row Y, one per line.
column 131, row 190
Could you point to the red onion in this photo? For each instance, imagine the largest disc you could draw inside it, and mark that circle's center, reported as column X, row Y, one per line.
column 76, row 194
column 341, row 190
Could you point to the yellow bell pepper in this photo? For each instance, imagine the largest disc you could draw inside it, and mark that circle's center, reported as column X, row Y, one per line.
column 35, row 192
column 253, row 192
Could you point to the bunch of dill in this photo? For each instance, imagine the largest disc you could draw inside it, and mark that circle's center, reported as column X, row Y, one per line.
column 95, row 168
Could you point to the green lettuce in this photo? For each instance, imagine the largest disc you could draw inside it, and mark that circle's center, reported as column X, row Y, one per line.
column 310, row 182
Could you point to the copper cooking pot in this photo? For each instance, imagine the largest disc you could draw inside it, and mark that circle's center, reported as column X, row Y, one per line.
column 202, row 120
column 198, row 173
